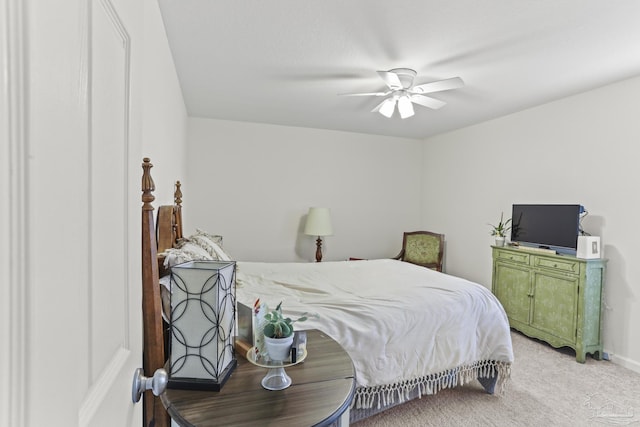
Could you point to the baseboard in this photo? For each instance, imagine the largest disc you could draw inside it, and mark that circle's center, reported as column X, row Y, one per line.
column 625, row 362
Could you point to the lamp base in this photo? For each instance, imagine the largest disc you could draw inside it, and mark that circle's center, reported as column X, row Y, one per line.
column 318, row 249
column 183, row 383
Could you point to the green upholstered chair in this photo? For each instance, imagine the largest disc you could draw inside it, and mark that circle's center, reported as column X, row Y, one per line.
column 422, row 248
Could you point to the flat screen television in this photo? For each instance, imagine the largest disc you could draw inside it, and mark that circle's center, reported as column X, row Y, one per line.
column 553, row 227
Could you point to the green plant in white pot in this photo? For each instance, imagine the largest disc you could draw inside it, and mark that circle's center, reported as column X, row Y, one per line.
column 500, row 230
column 278, row 333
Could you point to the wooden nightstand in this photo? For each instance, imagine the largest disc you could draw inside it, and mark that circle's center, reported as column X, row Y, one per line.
column 321, row 393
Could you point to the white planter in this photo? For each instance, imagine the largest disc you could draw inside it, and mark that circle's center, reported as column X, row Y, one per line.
column 499, row 241
column 278, row 348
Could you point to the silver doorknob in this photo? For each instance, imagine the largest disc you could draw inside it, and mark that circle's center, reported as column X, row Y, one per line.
column 157, row 383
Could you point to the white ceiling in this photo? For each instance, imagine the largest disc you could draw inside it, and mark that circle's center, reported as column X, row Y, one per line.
column 285, row 61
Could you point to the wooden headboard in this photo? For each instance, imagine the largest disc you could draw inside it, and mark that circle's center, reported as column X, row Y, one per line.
column 169, row 227
column 155, row 240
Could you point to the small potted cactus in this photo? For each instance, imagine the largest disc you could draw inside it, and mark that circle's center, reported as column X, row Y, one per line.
column 278, row 333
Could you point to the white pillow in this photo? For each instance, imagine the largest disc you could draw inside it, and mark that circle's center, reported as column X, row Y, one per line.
column 210, row 243
column 188, row 251
column 165, row 281
column 215, row 238
column 165, row 297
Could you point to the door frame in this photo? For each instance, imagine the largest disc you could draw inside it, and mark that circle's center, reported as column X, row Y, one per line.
column 13, row 192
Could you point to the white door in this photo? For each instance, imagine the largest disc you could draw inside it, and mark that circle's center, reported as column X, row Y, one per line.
column 71, row 160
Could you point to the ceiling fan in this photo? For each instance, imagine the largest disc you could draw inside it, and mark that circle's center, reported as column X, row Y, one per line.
column 403, row 92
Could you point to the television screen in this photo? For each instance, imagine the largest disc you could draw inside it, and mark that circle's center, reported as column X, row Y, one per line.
column 546, row 226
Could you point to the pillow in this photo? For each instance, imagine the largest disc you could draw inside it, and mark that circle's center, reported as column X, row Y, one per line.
column 188, row 251
column 210, row 243
column 165, row 281
column 217, row 239
column 199, row 247
column 165, row 297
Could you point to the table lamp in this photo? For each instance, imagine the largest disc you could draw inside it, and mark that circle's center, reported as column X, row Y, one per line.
column 202, row 324
column 319, row 225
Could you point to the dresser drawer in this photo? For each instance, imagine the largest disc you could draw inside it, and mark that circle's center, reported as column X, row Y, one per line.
column 520, row 258
column 560, row 265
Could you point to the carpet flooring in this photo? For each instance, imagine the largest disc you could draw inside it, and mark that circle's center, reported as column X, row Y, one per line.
column 547, row 388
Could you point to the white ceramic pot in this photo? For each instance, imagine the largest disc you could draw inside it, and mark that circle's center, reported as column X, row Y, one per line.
column 278, row 348
column 499, row 241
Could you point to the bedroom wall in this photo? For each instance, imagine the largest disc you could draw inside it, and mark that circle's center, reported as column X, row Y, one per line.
column 582, row 149
column 164, row 116
column 253, row 183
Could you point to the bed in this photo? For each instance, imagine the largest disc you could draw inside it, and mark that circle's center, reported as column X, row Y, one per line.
column 409, row 330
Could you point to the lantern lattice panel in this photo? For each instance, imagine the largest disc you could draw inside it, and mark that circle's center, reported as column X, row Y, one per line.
column 202, row 324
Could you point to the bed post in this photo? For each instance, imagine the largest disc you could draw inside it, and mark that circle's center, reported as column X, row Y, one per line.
column 153, row 342
column 177, row 199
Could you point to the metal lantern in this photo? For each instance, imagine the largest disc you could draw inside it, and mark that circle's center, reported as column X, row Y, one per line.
column 202, row 324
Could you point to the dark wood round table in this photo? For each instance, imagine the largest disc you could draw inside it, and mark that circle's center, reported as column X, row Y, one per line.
column 321, row 393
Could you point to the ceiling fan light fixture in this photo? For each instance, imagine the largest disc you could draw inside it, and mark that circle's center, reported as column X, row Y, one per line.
column 402, row 91
column 405, row 75
column 388, row 107
column 404, row 107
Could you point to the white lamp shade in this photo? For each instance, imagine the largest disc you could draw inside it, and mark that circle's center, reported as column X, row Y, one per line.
column 387, row 108
column 404, row 107
column 318, row 222
column 202, row 324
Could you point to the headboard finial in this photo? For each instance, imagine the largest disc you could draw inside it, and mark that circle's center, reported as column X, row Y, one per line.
column 147, row 185
column 177, row 196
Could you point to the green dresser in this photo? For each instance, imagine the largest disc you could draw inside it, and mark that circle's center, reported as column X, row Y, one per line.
column 555, row 298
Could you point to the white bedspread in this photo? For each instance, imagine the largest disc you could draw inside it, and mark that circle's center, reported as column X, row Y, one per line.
column 399, row 322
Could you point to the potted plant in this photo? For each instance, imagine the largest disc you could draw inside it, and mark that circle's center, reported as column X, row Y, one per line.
column 500, row 230
column 278, row 333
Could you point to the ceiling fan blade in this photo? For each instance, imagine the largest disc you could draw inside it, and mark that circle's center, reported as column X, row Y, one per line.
column 366, row 94
column 427, row 101
column 452, row 83
column 377, row 107
column 391, row 79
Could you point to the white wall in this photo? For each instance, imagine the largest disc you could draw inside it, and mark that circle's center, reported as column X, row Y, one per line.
column 164, row 116
column 583, row 149
column 253, row 183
